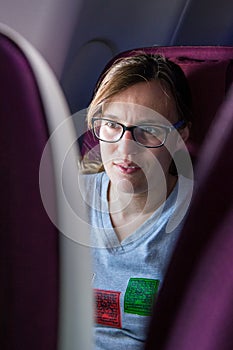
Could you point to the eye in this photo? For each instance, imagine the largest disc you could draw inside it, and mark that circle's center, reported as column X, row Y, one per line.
column 111, row 124
column 152, row 130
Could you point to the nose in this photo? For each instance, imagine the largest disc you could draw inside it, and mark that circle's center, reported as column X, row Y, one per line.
column 128, row 134
column 127, row 145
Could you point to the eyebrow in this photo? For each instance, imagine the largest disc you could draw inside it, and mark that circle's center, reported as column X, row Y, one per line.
column 109, row 115
column 142, row 122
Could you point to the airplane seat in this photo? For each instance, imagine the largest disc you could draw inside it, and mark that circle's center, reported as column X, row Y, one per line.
column 35, row 256
column 209, row 70
column 194, row 307
column 29, row 241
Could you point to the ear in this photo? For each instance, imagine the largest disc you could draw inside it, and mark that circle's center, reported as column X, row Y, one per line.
column 184, row 135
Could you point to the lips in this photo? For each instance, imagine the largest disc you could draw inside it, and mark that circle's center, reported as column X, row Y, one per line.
column 127, row 167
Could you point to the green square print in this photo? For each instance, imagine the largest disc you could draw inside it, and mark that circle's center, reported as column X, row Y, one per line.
column 140, row 296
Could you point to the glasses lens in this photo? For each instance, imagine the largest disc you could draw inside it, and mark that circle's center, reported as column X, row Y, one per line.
column 150, row 136
column 107, row 130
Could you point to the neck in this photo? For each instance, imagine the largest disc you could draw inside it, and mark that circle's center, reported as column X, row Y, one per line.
column 139, row 203
column 128, row 211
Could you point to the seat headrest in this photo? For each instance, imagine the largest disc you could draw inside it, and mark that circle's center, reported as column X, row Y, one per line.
column 209, row 70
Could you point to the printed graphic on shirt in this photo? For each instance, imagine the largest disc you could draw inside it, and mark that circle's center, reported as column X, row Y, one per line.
column 140, row 296
column 108, row 308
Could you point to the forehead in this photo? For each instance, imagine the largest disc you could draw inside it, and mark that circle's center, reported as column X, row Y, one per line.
column 132, row 113
column 151, row 95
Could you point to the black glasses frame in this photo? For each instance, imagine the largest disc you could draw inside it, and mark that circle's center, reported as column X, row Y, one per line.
column 125, row 128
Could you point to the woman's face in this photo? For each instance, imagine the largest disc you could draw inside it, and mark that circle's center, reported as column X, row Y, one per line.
column 130, row 166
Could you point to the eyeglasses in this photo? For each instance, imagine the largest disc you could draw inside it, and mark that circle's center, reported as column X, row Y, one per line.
column 150, row 136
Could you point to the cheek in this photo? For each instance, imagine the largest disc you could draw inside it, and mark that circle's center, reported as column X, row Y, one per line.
column 161, row 157
column 172, row 142
column 107, row 152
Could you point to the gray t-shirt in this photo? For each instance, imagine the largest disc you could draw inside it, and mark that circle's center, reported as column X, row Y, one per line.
column 128, row 274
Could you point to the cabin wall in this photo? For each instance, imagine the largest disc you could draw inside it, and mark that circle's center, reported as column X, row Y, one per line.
column 78, row 37
column 47, row 24
column 105, row 28
column 206, row 22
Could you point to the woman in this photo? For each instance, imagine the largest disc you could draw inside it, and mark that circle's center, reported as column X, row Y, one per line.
column 140, row 114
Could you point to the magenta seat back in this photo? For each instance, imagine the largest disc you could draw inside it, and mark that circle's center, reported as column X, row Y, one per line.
column 194, row 309
column 28, row 239
column 209, row 71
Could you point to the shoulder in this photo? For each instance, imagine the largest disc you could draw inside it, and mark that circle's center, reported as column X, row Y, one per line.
column 185, row 187
column 90, row 180
column 180, row 203
column 94, row 193
column 92, row 185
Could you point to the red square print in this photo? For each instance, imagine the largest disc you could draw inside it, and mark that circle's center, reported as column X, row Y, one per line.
column 108, row 308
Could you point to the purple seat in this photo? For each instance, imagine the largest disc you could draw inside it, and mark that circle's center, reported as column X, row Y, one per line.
column 194, row 309
column 209, row 70
column 28, row 240
column 38, row 308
